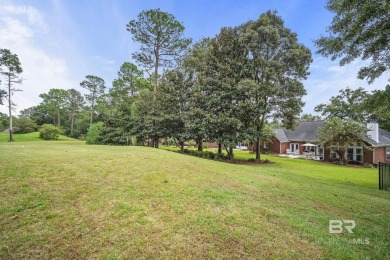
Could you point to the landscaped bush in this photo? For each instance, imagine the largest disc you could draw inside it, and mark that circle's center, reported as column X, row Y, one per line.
column 251, row 160
column 49, row 132
column 94, row 132
column 354, row 162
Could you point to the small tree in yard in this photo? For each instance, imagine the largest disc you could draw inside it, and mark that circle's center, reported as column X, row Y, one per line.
column 338, row 135
column 10, row 68
column 94, row 133
column 49, row 132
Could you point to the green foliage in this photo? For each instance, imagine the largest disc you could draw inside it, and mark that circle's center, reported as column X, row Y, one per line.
column 378, row 107
column 49, row 132
column 338, row 135
column 309, row 118
column 10, row 68
column 202, row 154
column 349, row 104
column 54, row 102
column 3, row 94
column 94, row 133
column 360, row 106
column 74, row 102
column 95, row 86
column 360, row 29
column 24, row 125
column 161, row 39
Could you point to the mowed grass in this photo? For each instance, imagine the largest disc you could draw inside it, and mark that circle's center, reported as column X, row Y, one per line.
column 30, row 137
column 72, row 201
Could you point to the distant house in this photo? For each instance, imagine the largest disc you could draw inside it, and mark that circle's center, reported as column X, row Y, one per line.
column 304, row 140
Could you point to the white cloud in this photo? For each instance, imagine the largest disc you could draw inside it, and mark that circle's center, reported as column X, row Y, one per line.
column 327, row 78
column 23, row 31
column 34, row 17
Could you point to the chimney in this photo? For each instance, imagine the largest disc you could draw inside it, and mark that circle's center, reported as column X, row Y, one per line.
column 373, row 131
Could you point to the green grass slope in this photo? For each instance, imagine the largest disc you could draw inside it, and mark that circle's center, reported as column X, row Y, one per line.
column 69, row 200
column 30, row 137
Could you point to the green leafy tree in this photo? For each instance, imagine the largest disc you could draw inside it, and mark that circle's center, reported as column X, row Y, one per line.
column 10, row 68
column 225, row 66
column 173, row 105
column 338, row 134
column 277, row 64
column 360, row 29
column 40, row 114
column 309, row 118
column 195, row 64
column 55, row 101
column 128, row 78
column 74, row 101
column 95, row 86
column 378, row 107
column 349, row 104
column 24, row 125
column 161, row 39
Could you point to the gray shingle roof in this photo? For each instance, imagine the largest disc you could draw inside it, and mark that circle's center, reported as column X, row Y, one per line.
column 280, row 135
column 307, row 132
column 384, row 138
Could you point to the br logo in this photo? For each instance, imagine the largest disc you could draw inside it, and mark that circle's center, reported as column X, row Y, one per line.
column 337, row 226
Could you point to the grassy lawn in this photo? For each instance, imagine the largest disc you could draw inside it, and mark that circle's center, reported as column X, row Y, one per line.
column 69, row 200
column 30, row 137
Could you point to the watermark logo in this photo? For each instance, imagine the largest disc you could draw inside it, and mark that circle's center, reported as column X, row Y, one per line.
column 337, row 226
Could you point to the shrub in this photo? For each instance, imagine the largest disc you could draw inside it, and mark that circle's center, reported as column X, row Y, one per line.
column 23, row 125
column 186, row 151
column 354, row 162
column 251, row 160
column 49, row 132
column 209, row 155
column 266, row 161
column 220, row 156
column 94, row 132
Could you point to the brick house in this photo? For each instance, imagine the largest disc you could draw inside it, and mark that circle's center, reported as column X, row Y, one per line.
column 304, row 140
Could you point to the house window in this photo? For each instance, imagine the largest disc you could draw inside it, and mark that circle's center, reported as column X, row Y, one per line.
column 388, row 153
column 355, row 153
column 350, row 154
column 359, row 154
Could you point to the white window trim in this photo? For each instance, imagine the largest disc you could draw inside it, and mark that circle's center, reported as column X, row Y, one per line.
column 387, row 153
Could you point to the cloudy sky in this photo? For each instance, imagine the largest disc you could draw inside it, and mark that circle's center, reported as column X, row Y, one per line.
column 59, row 42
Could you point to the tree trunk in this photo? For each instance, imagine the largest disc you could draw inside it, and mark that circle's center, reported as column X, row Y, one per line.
column 10, row 110
column 200, row 145
column 258, row 150
column 181, row 144
column 91, row 117
column 71, row 124
column 155, row 142
column 59, row 119
column 231, row 155
column 219, row 148
column 156, row 73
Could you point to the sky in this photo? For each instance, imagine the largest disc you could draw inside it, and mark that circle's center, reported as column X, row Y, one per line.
column 59, row 42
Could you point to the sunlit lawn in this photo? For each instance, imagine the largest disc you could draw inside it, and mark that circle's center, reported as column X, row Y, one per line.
column 69, row 200
column 29, row 137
